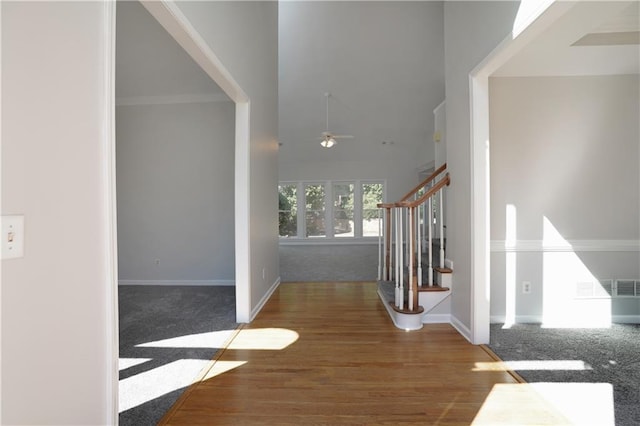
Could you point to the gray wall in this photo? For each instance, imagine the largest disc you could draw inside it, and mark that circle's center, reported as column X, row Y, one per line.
column 244, row 37
column 383, row 63
column 565, row 149
column 175, row 177
column 327, row 262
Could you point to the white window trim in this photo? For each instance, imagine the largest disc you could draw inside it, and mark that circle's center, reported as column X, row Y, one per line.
column 330, row 238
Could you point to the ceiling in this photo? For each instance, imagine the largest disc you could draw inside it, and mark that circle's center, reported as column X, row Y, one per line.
column 382, row 62
column 384, row 84
column 151, row 64
column 591, row 38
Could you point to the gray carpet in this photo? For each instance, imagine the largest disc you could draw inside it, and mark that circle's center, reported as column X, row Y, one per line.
column 152, row 313
column 611, row 356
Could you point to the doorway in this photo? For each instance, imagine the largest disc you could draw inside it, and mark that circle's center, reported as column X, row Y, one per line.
column 177, row 155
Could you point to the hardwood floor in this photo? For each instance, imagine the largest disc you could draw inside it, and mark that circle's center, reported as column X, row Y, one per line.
column 328, row 354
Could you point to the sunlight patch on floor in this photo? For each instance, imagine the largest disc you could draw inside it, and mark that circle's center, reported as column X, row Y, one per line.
column 124, row 363
column 220, row 367
column 152, row 384
column 212, row 339
column 548, row 365
column 263, row 339
column 548, row 404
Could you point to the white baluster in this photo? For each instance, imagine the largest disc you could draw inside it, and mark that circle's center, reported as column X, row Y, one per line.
column 441, row 230
column 401, row 259
column 406, row 233
column 411, row 243
column 419, row 240
column 430, row 244
column 397, row 255
column 380, row 249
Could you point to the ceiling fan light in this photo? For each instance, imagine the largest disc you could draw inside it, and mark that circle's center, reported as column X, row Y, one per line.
column 328, row 142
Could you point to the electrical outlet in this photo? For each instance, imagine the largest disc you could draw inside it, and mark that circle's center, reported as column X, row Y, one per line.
column 526, row 287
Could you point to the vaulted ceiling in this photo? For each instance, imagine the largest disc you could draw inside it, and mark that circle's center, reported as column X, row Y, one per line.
column 382, row 62
column 591, row 38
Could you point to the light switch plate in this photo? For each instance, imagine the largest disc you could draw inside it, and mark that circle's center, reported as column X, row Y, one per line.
column 12, row 236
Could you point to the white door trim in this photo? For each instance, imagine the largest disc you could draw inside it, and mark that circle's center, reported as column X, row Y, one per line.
column 480, row 166
column 167, row 13
column 111, row 223
column 178, row 26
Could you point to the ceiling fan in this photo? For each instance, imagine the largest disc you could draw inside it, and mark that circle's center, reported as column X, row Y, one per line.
column 328, row 139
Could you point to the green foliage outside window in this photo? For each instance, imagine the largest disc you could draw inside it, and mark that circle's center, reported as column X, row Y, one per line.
column 342, row 209
column 371, row 197
column 314, row 203
column 287, row 211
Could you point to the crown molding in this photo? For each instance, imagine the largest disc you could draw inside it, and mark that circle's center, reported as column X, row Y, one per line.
column 172, row 99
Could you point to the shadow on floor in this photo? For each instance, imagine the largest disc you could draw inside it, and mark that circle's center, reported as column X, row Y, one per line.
column 167, row 335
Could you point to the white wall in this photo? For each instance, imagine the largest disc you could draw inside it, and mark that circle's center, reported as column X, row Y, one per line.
column 565, row 149
column 244, row 37
column 383, row 63
column 472, row 30
column 57, row 342
column 175, row 171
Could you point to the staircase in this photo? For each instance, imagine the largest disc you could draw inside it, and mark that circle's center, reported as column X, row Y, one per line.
column 413, row 275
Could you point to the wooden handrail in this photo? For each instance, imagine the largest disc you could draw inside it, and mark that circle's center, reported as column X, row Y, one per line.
column 403, row 201
column 437, row 187
column 386, row 205
column 424, row 182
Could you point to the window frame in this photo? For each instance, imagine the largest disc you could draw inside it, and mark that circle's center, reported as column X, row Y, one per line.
column 329, row 237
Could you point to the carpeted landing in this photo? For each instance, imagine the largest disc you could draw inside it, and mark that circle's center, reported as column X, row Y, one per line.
column 167, row 335
column 610, row 355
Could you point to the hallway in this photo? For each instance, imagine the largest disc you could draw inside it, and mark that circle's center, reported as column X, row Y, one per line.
column 327, row 353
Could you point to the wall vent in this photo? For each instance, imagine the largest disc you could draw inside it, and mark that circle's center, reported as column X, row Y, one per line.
column 627, row 288
column 607, row 288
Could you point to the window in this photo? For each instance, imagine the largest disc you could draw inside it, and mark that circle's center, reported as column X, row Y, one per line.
column 343, row 210
column 371, row 197
column 287, row 210
column 340, row 209
column 314, row 210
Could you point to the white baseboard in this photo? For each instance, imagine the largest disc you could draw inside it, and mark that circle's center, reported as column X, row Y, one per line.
column 436, row 319
column 462, row 329
column 179, row 282
column 520, row 319
column 626, row 319
column 264, row 299
column 535, row 319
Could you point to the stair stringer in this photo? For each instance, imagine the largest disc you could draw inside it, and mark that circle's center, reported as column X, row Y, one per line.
column 430, row 299
column 404, row 321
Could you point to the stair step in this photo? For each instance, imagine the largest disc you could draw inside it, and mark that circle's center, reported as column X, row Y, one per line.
column 443, row 270
column 406, row 310
column 432, row 288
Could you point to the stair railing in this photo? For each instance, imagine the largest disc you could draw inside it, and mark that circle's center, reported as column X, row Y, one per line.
column 407, row 231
